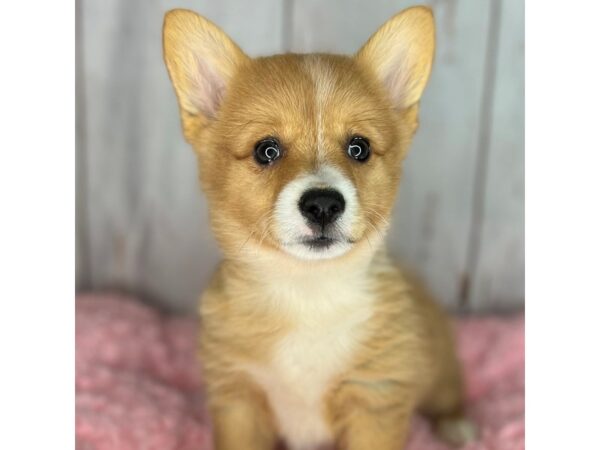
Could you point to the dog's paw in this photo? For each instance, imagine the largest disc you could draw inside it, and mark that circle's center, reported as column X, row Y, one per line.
column 456, row 431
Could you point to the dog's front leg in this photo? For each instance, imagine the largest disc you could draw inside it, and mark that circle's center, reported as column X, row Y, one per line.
column 382, row 430
column 243, row 423
column 370, row 419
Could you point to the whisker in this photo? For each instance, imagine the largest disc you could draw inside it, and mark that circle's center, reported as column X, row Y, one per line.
column 367, row 236
column 253, row 230
column 266, row 230
column 382, row 218
column 375, row 227
column 376, row 213
column 377, row 230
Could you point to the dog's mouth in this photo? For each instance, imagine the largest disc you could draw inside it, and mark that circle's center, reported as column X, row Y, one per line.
column 319, row 242
column 322, row 242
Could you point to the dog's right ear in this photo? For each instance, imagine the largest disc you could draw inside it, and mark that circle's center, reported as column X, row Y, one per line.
column 201, row 60
column 401, row 53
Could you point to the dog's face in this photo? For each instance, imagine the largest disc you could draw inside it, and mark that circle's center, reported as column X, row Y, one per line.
column 300, row 154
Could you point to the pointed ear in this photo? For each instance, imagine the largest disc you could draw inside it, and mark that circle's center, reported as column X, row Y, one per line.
column 401, row 54
column 201, row 60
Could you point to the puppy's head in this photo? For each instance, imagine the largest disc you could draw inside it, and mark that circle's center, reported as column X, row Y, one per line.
column 299, row 154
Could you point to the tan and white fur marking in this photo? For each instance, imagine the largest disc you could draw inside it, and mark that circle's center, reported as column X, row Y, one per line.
column 309, row 334
column 289, row 223
column 328, row 323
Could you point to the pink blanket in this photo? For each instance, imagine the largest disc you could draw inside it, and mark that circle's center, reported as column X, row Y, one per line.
column 138, row 386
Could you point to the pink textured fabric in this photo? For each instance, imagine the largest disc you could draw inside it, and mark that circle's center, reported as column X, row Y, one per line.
column 138, row 385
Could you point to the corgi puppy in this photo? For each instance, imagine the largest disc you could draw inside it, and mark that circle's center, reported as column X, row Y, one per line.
column 310, row 335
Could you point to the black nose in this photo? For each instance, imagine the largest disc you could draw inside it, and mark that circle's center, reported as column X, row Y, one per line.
column 322, row 206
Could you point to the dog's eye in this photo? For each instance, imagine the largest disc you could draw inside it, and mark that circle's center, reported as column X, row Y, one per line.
column 359, row 149
column 266, row 151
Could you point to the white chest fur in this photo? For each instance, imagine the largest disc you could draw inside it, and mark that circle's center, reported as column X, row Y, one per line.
column 329, row 323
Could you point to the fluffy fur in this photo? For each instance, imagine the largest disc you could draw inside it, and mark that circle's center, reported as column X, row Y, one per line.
column 311, row 346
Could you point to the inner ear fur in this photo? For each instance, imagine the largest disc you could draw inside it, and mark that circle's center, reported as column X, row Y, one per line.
column 401, row 55
column 201, row 60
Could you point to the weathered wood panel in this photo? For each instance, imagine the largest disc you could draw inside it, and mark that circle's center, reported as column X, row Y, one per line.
column 142, row 222
column 82, row 270
column 147, row 228
column 498, row 269
column 430, row 228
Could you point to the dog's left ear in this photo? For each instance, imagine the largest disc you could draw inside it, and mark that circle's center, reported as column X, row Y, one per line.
column 401, row 54
column 201, row 60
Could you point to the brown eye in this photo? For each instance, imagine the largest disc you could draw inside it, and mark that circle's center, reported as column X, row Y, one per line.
column 266, row 151
column 359, row 149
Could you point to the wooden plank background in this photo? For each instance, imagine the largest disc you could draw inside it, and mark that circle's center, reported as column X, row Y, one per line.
column 142, row 221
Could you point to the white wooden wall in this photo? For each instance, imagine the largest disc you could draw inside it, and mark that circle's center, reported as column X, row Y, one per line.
column 142, row 221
